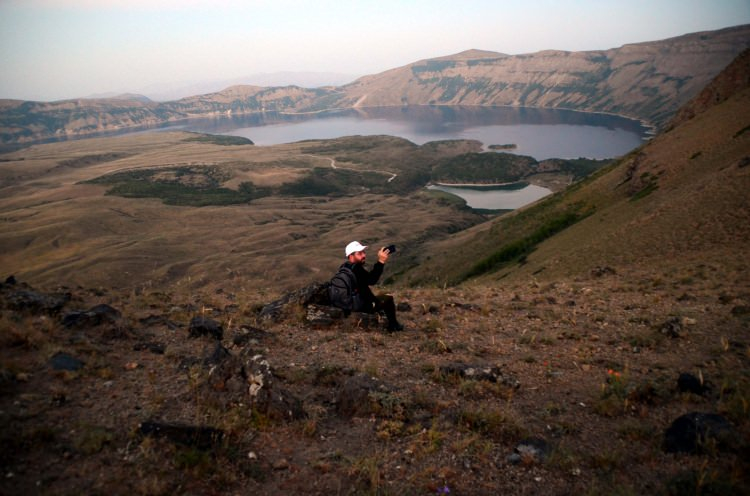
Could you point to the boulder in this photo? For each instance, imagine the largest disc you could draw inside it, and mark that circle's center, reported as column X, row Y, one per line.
column 698, row 433
column 203, row 326
column 326, row 316
column 246, row 379
column 275, row 311
column 322, row 315
column 30, row 301
column 97, row 315
column 317, row 310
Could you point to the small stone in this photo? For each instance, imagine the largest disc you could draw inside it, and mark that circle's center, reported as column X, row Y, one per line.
column 63, row 361
column 688, row 383
column 252, row 455
column 130, row 366
column 672, row 327
column 403, row 307
column 282, row 464
column 533, row 450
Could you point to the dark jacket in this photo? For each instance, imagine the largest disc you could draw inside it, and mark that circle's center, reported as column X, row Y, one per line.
column 365, row 279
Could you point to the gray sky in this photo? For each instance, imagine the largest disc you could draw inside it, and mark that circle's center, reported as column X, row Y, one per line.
column 55, row 49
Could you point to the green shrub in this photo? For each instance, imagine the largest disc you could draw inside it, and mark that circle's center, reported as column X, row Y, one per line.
column 221, row 140
column 515, row 250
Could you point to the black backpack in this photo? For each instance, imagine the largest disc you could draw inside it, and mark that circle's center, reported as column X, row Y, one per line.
column 342, row 290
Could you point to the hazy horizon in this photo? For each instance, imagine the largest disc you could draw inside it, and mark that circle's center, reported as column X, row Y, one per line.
column 59, row 49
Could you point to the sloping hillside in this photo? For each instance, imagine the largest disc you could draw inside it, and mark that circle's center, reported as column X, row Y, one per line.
column 680, row 200
column 647, row 81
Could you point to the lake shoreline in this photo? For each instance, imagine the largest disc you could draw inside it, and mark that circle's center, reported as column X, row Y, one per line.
column 496, row 199
column 250, row 124
column 475, row 185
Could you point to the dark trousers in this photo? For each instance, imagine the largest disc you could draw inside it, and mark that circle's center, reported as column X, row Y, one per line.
column 385, row 303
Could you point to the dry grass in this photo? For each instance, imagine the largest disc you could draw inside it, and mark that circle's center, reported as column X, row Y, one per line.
column 55, row 228
column 431, row 431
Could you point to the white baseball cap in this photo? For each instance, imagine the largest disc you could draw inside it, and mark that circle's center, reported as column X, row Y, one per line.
column 354, row 247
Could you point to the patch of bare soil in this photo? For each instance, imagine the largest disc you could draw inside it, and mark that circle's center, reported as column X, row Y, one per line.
column 560, row 388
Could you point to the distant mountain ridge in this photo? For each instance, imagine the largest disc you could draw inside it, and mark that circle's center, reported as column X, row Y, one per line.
column 646, row 81
column 167, row 92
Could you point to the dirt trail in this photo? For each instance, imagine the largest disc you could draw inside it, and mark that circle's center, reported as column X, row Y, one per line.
column 334, row 166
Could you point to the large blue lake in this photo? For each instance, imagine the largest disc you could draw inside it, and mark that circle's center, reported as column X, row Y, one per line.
column 540, row 133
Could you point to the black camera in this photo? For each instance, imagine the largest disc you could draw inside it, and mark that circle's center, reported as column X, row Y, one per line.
column 391, row 248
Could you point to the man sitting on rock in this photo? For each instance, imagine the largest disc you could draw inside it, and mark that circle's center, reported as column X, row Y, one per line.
column 364, row 300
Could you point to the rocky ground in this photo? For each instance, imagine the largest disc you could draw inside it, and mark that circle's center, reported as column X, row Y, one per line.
column 570, row 387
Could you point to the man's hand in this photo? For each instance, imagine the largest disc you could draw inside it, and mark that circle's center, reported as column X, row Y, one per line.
column 383, row 255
